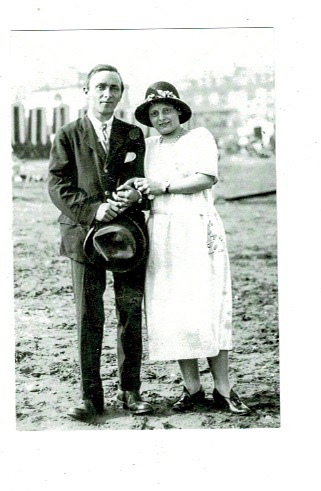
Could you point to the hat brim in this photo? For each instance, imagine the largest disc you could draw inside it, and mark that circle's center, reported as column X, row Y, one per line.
column 130, row 229
column 142, row 114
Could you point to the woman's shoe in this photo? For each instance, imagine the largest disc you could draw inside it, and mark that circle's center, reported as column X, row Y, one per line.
column 233, row 404
column 187, row 400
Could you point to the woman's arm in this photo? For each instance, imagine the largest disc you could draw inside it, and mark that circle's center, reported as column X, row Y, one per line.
column 185, row 185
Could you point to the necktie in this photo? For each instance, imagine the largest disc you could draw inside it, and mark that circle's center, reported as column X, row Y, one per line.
column 105, row 141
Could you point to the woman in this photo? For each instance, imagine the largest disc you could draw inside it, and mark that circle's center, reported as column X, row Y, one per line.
column 188, row 297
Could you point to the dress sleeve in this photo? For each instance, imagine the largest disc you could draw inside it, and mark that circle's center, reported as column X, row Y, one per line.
column 203, row 154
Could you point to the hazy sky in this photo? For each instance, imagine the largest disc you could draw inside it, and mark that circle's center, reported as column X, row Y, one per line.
column 142, row 56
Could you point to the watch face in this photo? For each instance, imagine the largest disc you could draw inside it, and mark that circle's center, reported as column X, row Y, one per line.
column 166, row 186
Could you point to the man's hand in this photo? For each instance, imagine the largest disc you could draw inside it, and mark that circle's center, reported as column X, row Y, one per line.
column 127, row 195
column 108, row 211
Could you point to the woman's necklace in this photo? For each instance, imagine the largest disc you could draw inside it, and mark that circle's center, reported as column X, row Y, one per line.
column 174, row 140
column 166, row 152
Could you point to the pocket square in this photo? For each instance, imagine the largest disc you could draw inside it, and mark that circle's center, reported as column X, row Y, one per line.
column 130, row 156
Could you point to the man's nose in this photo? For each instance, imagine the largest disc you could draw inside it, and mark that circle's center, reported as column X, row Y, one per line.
column 107, row 92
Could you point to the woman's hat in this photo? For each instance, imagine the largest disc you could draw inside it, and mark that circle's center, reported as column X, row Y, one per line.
column 119, row 245
column 162, row 92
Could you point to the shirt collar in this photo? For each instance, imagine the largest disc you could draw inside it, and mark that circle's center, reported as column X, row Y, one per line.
column 97, row 124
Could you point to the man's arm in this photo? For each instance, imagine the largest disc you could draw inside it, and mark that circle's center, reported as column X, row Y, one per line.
column 62, row 183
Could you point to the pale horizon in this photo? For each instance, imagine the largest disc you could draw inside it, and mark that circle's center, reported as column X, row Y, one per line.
column 142, row 56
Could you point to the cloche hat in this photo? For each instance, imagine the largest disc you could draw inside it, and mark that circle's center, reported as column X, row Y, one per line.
column 162, row 92
column 119, row 245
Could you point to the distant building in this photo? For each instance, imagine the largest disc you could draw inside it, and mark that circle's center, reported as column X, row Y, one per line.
column 231, row 107
column 37, row 116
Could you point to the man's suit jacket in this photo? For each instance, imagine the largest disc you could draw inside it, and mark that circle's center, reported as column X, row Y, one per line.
column 82, row 177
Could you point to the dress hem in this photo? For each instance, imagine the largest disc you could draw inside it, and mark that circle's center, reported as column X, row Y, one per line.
column 192, row 357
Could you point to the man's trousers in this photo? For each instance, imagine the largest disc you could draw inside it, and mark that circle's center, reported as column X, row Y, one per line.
column 89, row 284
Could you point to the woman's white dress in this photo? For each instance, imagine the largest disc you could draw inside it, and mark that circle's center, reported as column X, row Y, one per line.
column 188, row 301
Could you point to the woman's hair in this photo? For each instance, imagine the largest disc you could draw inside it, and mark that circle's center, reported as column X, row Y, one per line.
column 103, row 68
column 169, row 102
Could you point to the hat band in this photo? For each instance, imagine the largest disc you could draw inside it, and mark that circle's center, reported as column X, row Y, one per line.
column 161, row 94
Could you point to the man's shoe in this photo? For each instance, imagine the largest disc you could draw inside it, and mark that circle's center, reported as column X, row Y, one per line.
column 85, row 412
column 187, row 401
column 134, row 402
column 233, row 404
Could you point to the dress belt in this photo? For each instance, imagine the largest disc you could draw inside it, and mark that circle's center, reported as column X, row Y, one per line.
column 181, row 212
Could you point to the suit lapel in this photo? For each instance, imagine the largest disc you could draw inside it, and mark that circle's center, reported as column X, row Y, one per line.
column 90, row 139
column 117, row 138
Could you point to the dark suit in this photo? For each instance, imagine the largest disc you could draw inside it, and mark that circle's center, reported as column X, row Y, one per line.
column 81, row 178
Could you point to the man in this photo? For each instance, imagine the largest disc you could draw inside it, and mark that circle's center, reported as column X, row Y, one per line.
column 86, row 169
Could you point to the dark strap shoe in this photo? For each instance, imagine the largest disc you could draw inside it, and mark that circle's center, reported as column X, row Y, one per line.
column 85, row 412
column 232, row 404
column 187, row 401
column 132, row 400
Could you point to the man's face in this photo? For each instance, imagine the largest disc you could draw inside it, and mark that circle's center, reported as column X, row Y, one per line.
column 103, row 94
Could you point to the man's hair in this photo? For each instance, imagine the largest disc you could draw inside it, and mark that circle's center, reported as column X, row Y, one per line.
column 102, row 68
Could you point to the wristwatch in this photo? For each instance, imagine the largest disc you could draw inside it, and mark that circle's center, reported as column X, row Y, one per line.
column 166, row 187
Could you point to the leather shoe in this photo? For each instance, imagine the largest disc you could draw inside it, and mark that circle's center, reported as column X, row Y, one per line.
column 132, row 400
column 187, row 400
column 233, row 404
column 85, row 412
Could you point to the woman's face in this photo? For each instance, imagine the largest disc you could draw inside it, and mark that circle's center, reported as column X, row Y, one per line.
column 164, row 118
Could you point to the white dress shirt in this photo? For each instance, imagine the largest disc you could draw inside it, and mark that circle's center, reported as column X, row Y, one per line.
column 97, row 126
column 98, row 130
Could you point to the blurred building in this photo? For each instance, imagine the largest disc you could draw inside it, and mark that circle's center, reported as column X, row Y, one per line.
column 238, row 109
column 38, row 115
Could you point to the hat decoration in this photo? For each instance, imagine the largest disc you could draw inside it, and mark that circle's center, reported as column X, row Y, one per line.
column 161, row 94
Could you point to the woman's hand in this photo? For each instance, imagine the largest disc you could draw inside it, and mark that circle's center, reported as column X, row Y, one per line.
column 147, row 186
